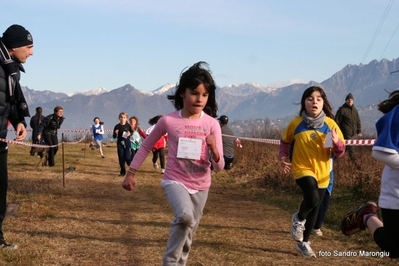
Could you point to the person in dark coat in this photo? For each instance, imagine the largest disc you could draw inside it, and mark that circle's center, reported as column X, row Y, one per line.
column 16, row 46
column 49, row 129
column 34, row 123
column 348, row 120
column 228, row 142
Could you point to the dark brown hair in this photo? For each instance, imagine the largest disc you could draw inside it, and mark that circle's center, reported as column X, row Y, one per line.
column 326, row 106
column 390, row 103
column 197, row 74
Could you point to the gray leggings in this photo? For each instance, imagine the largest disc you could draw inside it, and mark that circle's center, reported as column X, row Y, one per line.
column 187, row 209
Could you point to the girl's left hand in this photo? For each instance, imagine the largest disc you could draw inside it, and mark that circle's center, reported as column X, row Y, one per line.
column 210, row 140
column 334, row 135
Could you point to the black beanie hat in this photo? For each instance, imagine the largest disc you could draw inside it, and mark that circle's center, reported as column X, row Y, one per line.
column 349, row 96
column 223, row 119
column 16, row 36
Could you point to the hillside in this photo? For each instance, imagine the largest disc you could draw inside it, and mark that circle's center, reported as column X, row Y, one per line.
column 368, row 83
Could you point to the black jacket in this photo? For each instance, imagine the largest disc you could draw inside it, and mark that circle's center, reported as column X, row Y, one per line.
column 5, row 108
column 50, row 124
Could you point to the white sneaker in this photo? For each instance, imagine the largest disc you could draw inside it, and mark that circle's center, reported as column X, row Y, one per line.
column 155, row 165
column 316, row 232
column 305, row 249
column 162, row 171
column 297, row 228
column 8, row 246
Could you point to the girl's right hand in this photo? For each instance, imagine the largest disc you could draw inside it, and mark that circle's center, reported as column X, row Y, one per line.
column 129, row 183
column 286, row 166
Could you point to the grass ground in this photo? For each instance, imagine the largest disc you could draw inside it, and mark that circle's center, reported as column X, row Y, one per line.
column 93, row 221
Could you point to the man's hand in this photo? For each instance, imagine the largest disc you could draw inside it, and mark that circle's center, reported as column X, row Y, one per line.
column 21, row 132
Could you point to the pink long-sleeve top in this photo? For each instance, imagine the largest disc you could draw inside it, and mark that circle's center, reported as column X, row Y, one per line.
column 194, row 174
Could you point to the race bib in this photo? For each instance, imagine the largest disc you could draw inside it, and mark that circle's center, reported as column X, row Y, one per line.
column 189, row 148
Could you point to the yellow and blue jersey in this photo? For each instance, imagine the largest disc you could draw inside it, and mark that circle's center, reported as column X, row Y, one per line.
column 309, row 156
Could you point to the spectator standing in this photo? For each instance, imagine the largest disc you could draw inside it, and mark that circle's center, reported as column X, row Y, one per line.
column 348, row 120
column 34, row 123
column 16, row 45
column 228, row 142
column 49, row 129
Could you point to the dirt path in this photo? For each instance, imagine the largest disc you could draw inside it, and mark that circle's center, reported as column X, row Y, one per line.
column 95, row 222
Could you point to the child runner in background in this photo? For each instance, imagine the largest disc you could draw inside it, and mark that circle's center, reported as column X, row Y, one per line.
column 159, row 148
column 324, row 205
column 193, row 136
column 122, row 132
column 317, row 139
column 386, row 150
column 137, row 135
column 98, row 132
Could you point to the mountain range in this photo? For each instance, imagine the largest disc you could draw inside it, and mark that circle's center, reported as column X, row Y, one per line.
column 368, row 83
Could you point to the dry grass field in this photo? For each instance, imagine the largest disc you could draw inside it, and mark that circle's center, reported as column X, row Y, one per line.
column 93, row 221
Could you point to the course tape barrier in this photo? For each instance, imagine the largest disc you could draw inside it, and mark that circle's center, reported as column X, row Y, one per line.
column 69, row 130
column 48, row 146
column 348, row 142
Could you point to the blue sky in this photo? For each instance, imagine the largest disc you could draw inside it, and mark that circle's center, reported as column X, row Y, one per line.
column 85, row 44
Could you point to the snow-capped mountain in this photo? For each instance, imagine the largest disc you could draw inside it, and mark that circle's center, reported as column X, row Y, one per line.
column 96, row 91
column 246, row 89
column 164, row 88
column 368, row 83
column 280, row 84
column 161, row 90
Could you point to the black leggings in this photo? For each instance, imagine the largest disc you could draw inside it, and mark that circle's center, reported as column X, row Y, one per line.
column 387, row 237
column 3, row 184
column 312, row 198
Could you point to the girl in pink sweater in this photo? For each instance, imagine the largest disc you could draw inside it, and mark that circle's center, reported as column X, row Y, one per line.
column 195, row 142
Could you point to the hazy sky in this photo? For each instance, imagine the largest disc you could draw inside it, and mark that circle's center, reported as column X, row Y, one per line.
column 85, row 44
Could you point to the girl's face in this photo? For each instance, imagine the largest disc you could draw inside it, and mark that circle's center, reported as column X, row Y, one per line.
column 194, row 101
column 133, row 122
column 314, row 104
column 123, row 119
column 96, row 121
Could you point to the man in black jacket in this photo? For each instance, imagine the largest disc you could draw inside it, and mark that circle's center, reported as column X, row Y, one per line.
column 348, row 120
column 49, row 129
column 16, row 45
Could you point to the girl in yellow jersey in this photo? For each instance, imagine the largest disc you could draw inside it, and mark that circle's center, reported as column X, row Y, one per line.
column 317, row 139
